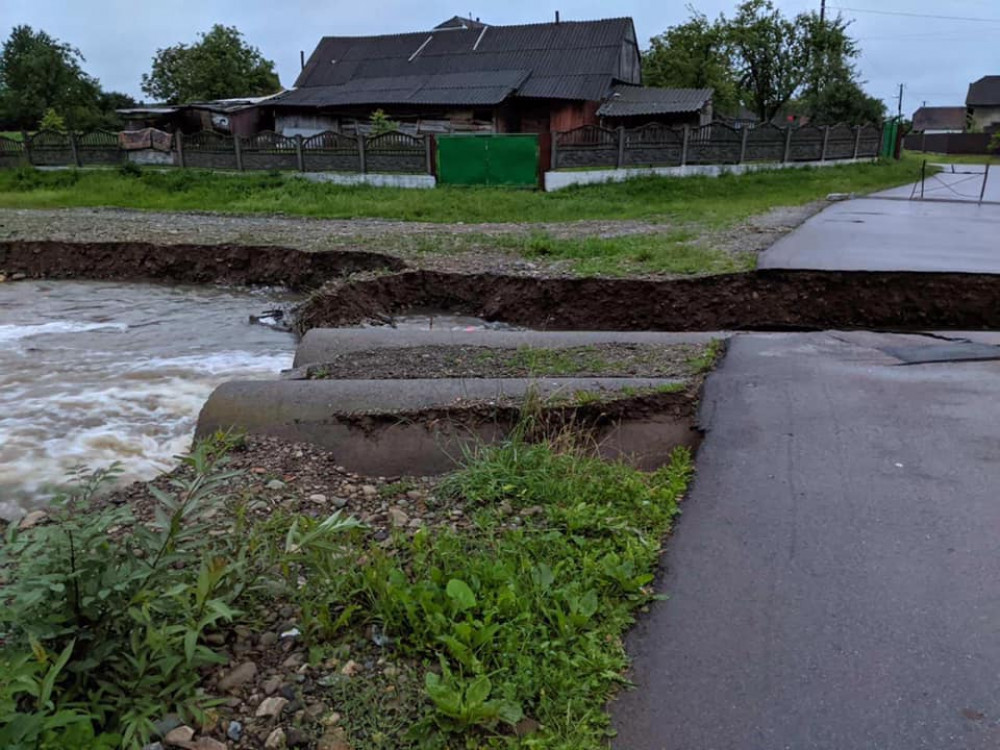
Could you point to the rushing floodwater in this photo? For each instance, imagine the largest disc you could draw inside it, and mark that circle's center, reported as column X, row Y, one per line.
column 94, row 372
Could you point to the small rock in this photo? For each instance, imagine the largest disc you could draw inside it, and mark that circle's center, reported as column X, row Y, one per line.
column 178, row 735
column 234, row 731
column 339, row 502
column 526, row 726
column 351, row 668
column 271, row 707
column 368, row 490
column 294, row 660
column 272, row 685
column 416, row 523
column 32, row 520
column 268, row 639
column 153, row 746
column 317, row 498
column 275, row 484
column 334, row 739
column 506, row 508
column 331, row 719
column 534, row 510
column 18, row 276
column 397, row 517
column 215, row 639
column 276, row 740
column 415, row 494
column 296, row 737
column 209, row 743
column 238, row 677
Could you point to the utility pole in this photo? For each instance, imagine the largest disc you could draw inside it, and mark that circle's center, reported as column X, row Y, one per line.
column 901, row 102
column 822, row 11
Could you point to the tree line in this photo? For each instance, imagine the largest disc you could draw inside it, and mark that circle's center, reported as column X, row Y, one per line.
column 767, row 63
column 43, row 83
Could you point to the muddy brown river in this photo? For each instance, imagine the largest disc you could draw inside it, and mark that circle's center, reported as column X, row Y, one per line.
column 96, row 372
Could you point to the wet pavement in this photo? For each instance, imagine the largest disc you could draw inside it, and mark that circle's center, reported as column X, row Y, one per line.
column 873, row 234
column 833, row 580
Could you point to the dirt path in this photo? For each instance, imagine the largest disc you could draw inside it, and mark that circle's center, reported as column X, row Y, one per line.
column 455, row 247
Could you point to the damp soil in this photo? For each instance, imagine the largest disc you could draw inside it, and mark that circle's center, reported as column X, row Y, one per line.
column 598, row 360
column 185, row 263
column 761, row 300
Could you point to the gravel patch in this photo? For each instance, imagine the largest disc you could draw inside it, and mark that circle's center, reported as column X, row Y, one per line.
column 597, row 360
column 455, row 247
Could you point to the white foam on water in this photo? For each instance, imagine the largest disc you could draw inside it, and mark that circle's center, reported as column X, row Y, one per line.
column 87, row 398
column 10, row 333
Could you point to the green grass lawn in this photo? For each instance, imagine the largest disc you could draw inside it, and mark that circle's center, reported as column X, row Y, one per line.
column 12, row 134
column 711, row 201
column 933, row 158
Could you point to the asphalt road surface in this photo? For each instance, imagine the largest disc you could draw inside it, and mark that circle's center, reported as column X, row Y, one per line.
column 834, row 581
column 873, row 234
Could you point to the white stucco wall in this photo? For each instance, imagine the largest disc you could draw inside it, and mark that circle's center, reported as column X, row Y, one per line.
column 560, row 180
column 983, row 117
column 418, row 181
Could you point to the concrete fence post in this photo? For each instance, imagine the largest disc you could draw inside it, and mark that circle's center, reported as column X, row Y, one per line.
column 237, row 146
column 826, row 143
column 179, row 142
column 554, row 159
column 743, row 144
column 361, row 153
column 428, row 154
column 74, row 150
column 26, row 140
column 684, row 145
column 857, row 141
column 300, row 159
column 788, row 145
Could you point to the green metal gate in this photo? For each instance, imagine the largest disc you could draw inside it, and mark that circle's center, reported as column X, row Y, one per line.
column 488, row 159
column 890, row 133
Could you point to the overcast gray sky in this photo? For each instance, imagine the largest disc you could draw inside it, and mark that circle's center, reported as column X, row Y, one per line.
column 935, row 57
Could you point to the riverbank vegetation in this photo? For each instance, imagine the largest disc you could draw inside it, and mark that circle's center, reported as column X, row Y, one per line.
column 210, row 613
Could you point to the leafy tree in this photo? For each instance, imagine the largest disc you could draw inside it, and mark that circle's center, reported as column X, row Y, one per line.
column 219, row 65
column 693, row 55
column 833, row 92
column 380, row 123
column 39, row 73
column 772, row 55
column 53, row 121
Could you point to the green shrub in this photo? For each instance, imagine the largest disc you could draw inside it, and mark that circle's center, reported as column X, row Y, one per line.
column 102, row 617
column 130, row 169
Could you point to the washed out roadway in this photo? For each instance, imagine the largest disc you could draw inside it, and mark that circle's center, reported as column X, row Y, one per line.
column 834, row 581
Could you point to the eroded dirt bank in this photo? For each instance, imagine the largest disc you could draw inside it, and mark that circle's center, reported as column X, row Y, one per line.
column 777, row 300
column 227, row 264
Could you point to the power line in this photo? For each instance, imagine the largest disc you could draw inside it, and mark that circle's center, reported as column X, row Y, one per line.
column 916, row 15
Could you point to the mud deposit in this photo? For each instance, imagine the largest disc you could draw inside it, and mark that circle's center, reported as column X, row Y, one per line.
column 196, row 264
column 763, row 300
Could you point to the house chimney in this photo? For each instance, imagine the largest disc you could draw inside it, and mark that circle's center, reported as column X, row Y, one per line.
column 302, row 58
column 557, row 16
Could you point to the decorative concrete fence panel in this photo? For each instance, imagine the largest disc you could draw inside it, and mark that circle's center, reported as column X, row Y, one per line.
column 716, row 143
column 98, row 147
column 208, row 150
column 766, row 143
column 269, row 150
column 48, row 148
column 397, row 152
column 586, row 146
column 840, row 142
column 332, row 152
column 870, row 142
column 12, row 152
column 807, row 144
column 653, row 145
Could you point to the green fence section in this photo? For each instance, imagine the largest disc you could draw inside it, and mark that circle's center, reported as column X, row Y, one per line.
column 890, row 133
column 488, row 160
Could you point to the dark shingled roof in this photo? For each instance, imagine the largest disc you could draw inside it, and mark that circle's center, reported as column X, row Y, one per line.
column 984, row 93
column 939, row 118
column 628, row 101
column 568, row 60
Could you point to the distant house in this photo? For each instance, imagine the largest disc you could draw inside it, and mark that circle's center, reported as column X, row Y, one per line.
column 939, row 120
column 983, row 103
column 468, row 76
column 238, row 116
